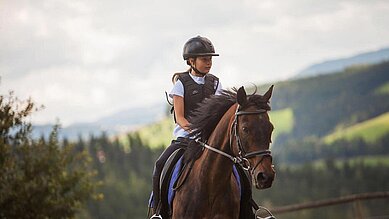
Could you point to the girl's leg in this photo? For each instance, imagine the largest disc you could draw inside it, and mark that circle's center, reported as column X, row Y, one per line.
column 158, row 169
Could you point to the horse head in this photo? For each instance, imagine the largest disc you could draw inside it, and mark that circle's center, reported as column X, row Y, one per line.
column 250, row 136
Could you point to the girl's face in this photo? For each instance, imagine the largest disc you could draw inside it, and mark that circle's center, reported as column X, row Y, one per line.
column 203, row 63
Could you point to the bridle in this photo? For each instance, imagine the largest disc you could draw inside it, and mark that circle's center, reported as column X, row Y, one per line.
column 243, row 156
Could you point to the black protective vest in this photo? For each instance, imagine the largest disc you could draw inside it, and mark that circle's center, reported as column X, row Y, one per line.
column 195, row 93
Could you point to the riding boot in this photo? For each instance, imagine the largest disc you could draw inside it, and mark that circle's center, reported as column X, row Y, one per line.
column 156, row 196
column 158, row 169
column 156, row 192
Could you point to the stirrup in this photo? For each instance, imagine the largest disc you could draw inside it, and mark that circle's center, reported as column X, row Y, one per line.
column 156, row 216
column 270, row 215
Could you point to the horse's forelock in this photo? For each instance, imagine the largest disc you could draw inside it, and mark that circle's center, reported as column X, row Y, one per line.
column 259, row 101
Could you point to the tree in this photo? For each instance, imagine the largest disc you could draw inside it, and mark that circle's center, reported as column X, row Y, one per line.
column 39, row 178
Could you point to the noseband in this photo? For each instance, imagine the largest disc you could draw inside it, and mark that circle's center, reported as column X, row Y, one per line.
column 242, row 158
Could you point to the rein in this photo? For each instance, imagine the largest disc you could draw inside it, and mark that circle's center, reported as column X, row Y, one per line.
column 242, row 158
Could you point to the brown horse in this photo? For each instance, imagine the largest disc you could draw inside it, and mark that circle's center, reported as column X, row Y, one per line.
column 237, row 130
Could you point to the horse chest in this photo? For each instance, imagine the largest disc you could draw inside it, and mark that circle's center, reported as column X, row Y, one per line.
column 206, row 202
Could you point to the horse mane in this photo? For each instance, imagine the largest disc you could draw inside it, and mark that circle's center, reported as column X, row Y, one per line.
column 211, row 110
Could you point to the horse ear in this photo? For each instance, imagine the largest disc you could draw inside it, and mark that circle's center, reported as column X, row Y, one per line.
column 241, row 96
column 268, row 93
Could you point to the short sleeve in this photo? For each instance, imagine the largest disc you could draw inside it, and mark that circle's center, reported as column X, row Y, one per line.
column 178, row 89
column 219, row 89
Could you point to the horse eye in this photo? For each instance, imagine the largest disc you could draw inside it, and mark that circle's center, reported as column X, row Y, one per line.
column 245, row 129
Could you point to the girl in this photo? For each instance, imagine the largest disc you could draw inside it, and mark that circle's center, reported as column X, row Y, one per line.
column 189, row 89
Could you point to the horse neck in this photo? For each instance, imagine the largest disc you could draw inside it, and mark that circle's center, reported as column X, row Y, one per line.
column 217, row 165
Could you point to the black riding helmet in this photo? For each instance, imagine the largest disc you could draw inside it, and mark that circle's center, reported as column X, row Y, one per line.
column 198, row 46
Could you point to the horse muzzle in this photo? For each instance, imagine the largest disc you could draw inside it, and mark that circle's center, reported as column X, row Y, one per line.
column 264, row 179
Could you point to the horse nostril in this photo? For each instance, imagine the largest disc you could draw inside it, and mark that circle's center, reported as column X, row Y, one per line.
column 262, row 177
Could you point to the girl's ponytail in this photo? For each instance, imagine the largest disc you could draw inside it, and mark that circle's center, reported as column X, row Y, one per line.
column 175, row 75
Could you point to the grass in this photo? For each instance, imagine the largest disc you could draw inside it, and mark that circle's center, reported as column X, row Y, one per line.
column 370, row 130
column 158, row 134
column 384, row 89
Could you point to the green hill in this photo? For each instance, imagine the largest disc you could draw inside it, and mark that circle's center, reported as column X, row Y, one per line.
column 348, row 109
column 158, row 134
column 383, row 89
column 154, row 135
column 323, row 103
column 282, row 120
column 369, row 130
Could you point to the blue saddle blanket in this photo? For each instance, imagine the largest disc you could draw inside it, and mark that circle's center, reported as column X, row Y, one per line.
column 174, row 178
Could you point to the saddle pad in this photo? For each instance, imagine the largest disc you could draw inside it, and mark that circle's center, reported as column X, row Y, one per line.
column 175, row 175
column 174, row 178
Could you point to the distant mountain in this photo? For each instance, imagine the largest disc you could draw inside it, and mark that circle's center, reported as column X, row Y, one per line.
column 337, row 65
column 325, row 103
column 114, row 124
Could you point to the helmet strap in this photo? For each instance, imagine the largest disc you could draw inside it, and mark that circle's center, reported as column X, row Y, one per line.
column 196, row 70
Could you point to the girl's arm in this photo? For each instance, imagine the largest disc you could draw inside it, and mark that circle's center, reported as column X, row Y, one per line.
column 179, row 112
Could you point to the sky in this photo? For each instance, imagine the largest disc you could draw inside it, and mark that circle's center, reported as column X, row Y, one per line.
column 87, row 59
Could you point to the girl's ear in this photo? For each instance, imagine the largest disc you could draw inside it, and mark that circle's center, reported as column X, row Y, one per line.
column 191, row 61
column 241, row 97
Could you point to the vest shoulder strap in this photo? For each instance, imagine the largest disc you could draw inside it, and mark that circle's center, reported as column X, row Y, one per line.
column 211, row 84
